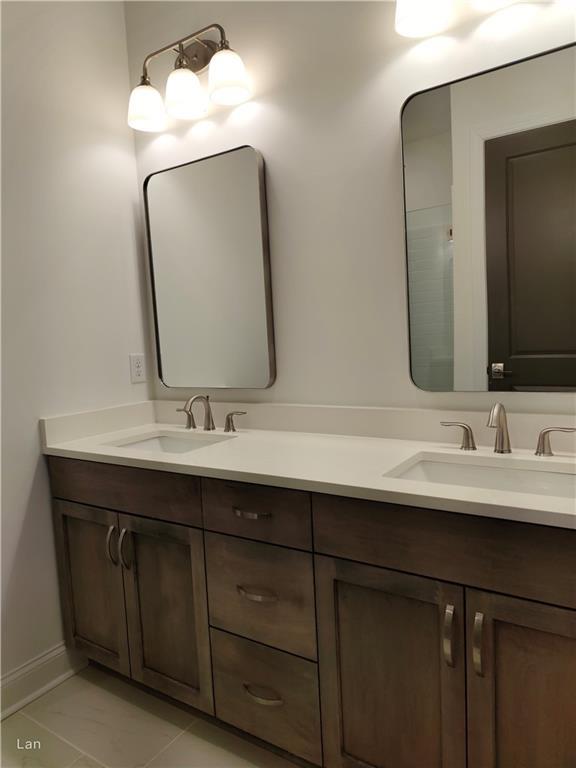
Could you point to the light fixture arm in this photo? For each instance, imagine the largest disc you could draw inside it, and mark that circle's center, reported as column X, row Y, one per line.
column 145, row 79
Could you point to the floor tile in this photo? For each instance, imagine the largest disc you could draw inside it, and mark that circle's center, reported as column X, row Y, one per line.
column 86, row 762
column 109, row 719
column 52, row 753
column 205, row 745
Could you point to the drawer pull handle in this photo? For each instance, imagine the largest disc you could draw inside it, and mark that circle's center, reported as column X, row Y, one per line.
column 261, row 596
column 125, row 563
column 244, row 515
column 477, row 632
column 109, row 554
column 447, row 635
column 272, row 700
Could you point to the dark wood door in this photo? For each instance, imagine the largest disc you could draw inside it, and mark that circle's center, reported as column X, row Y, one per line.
column 392, row 668
column 531, row 257
column 166, row 604
column 91, row 583
column 521, row 683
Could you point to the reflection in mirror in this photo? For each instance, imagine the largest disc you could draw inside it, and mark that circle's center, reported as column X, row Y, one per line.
column 490, row 194
column 208, row 245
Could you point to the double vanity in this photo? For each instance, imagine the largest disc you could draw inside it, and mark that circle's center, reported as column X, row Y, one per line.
column 340, row 598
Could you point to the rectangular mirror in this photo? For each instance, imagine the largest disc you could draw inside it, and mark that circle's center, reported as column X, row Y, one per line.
column 208, row 247
column 490, row 202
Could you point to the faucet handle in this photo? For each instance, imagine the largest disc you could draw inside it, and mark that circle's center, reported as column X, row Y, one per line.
column 229, row 425
column 543, row 448
column 468, row 443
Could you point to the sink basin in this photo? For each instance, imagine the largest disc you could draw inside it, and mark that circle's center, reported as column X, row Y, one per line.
column 516, row 475
column 161, row 442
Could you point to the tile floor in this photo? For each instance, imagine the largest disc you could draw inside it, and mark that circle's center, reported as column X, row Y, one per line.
column 94, row 720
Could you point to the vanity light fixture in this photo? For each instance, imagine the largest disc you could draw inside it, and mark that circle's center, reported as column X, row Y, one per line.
column 186, row 99
column 423, row 18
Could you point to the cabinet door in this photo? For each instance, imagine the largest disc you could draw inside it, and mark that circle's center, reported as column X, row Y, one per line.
column 392, row 671
column 521, row 683
column 166, row 604
column 91, row 583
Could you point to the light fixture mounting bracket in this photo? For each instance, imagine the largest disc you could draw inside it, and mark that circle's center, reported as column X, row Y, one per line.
column 199, row 50
column 199, row 53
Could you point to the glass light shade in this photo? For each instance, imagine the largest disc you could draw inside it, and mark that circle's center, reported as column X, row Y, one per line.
column 185, row 97
column 421, row 18
column 146, row 109
column 227, row 78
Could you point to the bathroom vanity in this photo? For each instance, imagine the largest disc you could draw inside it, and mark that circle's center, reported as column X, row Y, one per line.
column 338, row 629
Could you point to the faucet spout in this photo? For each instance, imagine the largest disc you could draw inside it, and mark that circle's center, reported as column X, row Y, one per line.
column 498, row 421
column 208, row 418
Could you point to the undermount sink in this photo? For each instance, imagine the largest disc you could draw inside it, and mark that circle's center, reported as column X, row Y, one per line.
column 517, row 475
column 161, row 442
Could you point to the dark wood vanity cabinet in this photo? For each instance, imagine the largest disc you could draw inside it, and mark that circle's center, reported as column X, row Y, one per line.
column 352, row 634
column 165, row 589
column 521, row 683
column 392, row 668
column 91, row 583
column 452, row 675
column 134, row 598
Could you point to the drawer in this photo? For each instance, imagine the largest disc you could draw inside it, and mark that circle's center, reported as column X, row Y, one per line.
column 267, row 693
column 262, row 592
column 274, row 515
column 520, row 559
column 145, row 492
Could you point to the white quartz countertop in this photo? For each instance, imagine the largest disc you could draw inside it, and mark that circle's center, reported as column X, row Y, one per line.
column 340, row 465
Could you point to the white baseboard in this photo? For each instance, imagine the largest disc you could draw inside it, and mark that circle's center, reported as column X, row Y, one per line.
column 37, row 676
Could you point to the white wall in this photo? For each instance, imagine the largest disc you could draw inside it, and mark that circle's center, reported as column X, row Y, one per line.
column 72, row 308
column 330, row 79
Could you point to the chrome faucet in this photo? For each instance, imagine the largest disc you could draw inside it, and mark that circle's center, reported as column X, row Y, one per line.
column 498, row 421
column 208, row 418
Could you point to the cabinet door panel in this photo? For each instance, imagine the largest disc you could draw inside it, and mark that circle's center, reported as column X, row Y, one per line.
column 91, row 583
column 167, row 612
column 389, row 696
column 521, row 683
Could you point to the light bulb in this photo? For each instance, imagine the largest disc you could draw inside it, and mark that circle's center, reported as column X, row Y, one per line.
column 146, row 109
column 185, row 98
column 227, row 78
column 422, row 18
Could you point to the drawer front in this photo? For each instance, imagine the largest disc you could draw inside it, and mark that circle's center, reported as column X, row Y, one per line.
column 144, row 492
column 267, row 693
column 531, row 561
column 262, row 592
column 274, row 515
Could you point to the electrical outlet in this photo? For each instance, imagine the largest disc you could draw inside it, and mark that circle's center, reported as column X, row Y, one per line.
column 137, row 368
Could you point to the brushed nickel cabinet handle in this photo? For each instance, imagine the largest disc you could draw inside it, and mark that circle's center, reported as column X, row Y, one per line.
column 447, row 635
column 109, row 554
column 263, row 595
column 123, row 561
column 274, row 700
column 244, row 515
column 477, row 636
